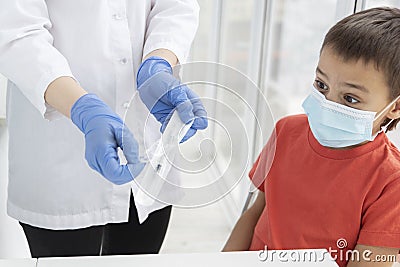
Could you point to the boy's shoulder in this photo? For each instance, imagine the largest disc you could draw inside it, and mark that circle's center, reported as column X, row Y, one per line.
column 297, row 123
column 392, row 155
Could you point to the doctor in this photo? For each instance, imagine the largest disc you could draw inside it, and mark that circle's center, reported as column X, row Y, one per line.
column 72, row 68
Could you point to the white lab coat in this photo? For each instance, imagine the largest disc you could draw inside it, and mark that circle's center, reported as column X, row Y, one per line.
column 101, row 44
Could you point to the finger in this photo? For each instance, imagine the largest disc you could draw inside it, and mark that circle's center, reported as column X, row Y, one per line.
column 185, row 111
column 129, row 145
column 167, row 118
column 130, row 149
column 113, row 171
column 179, row 99
column 200, row 113
column 188, row 135
column 200, row 123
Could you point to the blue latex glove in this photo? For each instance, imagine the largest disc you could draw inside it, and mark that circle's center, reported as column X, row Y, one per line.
column 103, row 131
column 161, row 92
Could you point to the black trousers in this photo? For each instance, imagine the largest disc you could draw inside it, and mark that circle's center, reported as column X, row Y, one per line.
column 111, row 239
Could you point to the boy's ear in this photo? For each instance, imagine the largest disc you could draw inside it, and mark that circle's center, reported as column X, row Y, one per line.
column 394, row 112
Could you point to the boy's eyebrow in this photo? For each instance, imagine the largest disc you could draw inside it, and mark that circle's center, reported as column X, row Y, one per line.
column 321, row 72
column 357, row 86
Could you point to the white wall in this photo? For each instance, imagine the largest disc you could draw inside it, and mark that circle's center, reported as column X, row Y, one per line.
column 12, row 240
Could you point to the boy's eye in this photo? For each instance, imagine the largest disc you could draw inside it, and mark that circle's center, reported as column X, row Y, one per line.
column 321, row 86
column 350, row 99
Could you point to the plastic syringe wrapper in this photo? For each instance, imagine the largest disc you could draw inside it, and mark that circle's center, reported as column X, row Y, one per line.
column 157, row 186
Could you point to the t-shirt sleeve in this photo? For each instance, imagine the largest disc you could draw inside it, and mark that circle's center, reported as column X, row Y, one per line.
column 380, row 224
column 259, row 184
column 261, row 167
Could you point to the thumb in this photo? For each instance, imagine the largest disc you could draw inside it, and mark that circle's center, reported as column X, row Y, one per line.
column 130, row 148
column 127, row 142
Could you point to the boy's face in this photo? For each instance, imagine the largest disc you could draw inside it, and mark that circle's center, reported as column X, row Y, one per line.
column 355, row 84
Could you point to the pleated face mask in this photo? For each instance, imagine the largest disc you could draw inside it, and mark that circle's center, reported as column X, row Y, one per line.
column 336, row 125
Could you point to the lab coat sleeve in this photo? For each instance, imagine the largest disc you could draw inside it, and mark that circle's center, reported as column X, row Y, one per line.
column 27, row 55
column 172, row 25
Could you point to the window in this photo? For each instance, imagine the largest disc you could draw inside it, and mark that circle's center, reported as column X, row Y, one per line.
column 276, row 44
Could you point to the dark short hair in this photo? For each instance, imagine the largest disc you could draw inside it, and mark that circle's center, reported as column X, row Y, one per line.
column 372, row 35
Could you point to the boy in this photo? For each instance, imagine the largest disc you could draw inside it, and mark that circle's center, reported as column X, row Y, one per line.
column 334, row 180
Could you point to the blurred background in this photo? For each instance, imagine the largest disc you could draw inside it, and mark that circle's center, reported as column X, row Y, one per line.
column 273, row 43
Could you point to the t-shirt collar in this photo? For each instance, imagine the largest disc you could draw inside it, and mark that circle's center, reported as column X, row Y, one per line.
column 349, row 153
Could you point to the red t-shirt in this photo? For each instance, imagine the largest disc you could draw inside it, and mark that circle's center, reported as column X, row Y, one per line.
column 316, row 196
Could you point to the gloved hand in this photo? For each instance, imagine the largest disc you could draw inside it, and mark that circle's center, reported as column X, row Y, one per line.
column 103, row 131
column 161, row 92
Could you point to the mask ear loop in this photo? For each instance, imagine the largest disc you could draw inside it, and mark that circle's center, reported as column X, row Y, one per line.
column 391, row 103
column 384, row 127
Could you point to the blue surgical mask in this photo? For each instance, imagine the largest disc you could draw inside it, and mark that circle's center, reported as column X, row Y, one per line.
column 336, row 125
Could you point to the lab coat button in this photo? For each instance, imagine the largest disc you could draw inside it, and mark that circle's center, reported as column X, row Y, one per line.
column 126, row 105
column 123, row 61
column 117, row 16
